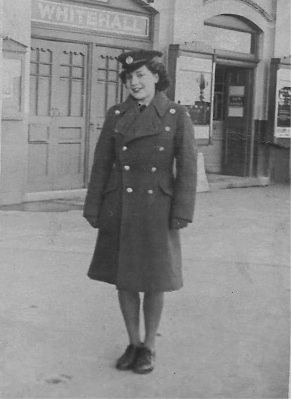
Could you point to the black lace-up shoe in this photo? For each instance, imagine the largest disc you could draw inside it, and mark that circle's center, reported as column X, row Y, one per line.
column 127, row 360
column 145, row 361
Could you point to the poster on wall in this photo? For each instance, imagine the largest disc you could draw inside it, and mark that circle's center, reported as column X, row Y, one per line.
column 194, row 91
column 236, row 101
column 283, row 104
column 11, row 87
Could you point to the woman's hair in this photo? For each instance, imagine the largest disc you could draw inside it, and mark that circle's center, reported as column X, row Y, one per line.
column 156, row 67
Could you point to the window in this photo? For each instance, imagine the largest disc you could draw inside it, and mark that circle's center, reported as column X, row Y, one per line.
column 227, row 32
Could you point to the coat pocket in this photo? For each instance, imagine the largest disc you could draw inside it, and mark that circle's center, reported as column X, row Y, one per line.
column 110, row 210
column 111, row 185
column 166, row 188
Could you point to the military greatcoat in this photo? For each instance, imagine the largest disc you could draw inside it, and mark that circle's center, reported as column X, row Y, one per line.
column 143, row 175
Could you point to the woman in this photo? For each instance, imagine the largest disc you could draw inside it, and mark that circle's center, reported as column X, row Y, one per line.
column 137, row 201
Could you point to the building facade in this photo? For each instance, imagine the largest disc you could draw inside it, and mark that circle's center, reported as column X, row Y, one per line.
column 60, row 75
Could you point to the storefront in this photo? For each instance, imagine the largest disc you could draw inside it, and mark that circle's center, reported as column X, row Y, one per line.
column 219, row 54
column 74, row 80
column 216, row 80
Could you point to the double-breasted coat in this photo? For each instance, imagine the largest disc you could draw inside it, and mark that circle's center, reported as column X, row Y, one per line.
column 144, row 175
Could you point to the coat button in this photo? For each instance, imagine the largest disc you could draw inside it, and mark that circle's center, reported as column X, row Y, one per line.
column 161, row 148
column 129, row 190
column 153, row 169
column 127, row 168
column 117, row 112
column 150, row 191
column 167, row 128
column 172, row 111
column 124, row 148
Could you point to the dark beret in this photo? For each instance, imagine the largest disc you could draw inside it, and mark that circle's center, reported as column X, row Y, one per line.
column 135, row 58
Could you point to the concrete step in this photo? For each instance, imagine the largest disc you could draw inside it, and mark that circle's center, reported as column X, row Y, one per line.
column 217, row 182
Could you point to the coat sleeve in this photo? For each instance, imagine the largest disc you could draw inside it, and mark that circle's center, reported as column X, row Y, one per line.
column 101, row 169
column 186, row 168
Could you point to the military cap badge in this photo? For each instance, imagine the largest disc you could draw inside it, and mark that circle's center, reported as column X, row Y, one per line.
column 129, row 60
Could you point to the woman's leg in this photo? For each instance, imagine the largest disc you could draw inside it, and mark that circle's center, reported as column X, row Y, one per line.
column 152, row 307
column 130, row 307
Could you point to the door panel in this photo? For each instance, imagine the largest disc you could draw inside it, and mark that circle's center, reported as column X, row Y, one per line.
column 70, row 122
column 57, row 115
column 213, row 152
column 237, row 123
column 107, row 90
column 40, row 121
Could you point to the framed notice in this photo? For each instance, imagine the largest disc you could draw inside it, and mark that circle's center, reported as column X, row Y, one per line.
column 13, row 79
column 11, row 87
column 236, row 101
column 279, row 127
column 283, row 104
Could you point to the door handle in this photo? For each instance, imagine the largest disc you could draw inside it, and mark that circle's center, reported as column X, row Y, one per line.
column 55, row 112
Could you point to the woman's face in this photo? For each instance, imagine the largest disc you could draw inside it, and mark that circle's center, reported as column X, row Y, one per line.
column 141, row 84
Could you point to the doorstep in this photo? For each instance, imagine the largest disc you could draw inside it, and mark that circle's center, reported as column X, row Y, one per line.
column 75, row 196
column 217, row 182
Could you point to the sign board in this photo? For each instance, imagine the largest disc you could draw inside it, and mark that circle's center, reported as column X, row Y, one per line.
column 96, row 19
column 283, row 104
column 12, row 88
column 236, row 101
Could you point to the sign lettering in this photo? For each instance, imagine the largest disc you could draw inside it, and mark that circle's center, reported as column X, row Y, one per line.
column 46, row 11
column 236, row 101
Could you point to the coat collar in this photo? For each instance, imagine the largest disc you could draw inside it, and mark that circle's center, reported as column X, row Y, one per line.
column 160, row 102
column 130, row 102
column 132, row 124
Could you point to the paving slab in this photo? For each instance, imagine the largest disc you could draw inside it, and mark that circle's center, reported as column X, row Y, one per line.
column 226, row 334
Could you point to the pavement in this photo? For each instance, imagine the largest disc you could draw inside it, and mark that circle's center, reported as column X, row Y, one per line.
column 226, row 334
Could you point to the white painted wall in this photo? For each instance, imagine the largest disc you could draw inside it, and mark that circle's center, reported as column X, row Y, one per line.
column 17, row 25
column 188, row 20
column 16, row 17
column 283, row 29
column 164, row 33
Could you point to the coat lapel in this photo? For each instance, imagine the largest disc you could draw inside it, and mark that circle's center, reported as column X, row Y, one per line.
column 129, row 112
column 134, row 124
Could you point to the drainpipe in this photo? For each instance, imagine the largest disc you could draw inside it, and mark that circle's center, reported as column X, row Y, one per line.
column 252, row 128
column 1, row 74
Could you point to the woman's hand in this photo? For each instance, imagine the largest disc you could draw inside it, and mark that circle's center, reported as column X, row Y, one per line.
column 178, row 223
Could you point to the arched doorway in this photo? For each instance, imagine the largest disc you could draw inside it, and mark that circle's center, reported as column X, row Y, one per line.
column 236, row 43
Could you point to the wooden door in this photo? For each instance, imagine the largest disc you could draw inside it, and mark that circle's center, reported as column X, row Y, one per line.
column 57, row 115
column 106, row 91
column 237, row 122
